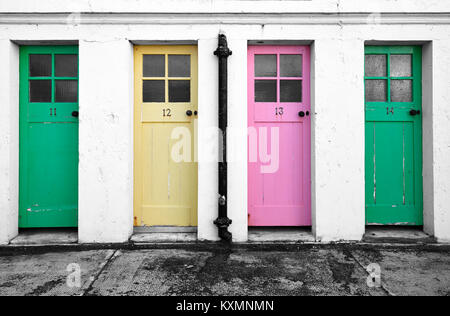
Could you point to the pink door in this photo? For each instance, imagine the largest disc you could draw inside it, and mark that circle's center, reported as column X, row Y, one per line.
column 279, row 142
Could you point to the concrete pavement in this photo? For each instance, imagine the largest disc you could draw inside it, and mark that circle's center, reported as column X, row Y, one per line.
column 218, row 270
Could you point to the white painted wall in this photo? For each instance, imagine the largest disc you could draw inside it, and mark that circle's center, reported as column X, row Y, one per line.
column 9, row 141
column 106, row 100
column 106, row 141
column 218, row 6
column 237, row 136
column 207, row 140
column 339, row 139
column 441, row 134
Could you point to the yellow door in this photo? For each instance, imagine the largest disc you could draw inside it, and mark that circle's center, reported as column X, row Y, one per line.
column 165, row 111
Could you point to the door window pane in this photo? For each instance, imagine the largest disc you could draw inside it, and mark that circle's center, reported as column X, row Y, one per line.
column 66, row 90
column 179, row 90
column 66, row 65
column 376, row 90
column 291, row 91
column 265, row 65
column 375, row 66
column 40, row 65
column 40, row 91
column 401, row 91
column 153, row 91
column 179, row 65
column 291, row 65
column 401, row 65
column 154, row 66
column 265, row 91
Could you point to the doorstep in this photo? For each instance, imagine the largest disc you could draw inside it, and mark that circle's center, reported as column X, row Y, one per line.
column 149, row 238
column 163, row 234
column 397, row 235
column 280, row 234
column 43, row 237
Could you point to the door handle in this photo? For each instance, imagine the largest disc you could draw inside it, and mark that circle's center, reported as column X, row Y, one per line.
column 75, row 114
column 189, row 113
column 414, row 112
column 195, row 113
column 302, row 114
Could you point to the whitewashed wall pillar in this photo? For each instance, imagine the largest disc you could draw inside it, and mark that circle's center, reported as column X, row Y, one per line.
column 237, row 138
column 441, row 141
column 106, row 141
column 207, row 140
column 9, row 141
column 338, row 140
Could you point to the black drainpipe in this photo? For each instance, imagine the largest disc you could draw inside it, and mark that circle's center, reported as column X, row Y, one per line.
column 223, row 221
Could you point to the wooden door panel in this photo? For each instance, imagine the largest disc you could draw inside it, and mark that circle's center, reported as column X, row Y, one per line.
column 279, row 190
column 166, row 113
column 48, row 139
column 165, row 166
column 394, row 149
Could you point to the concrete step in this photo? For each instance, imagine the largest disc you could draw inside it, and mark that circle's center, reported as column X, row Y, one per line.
column 396, row 234
column 144, row 238
column 38, row 237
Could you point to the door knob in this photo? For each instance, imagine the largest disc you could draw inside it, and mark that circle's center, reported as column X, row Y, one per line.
column 301, row 114
column 195, row 113
column 75, row 114
column 414, row 112
column 189, row 113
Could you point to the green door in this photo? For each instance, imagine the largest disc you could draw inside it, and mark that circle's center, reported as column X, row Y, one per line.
column 48, row 194
column 393, row 105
